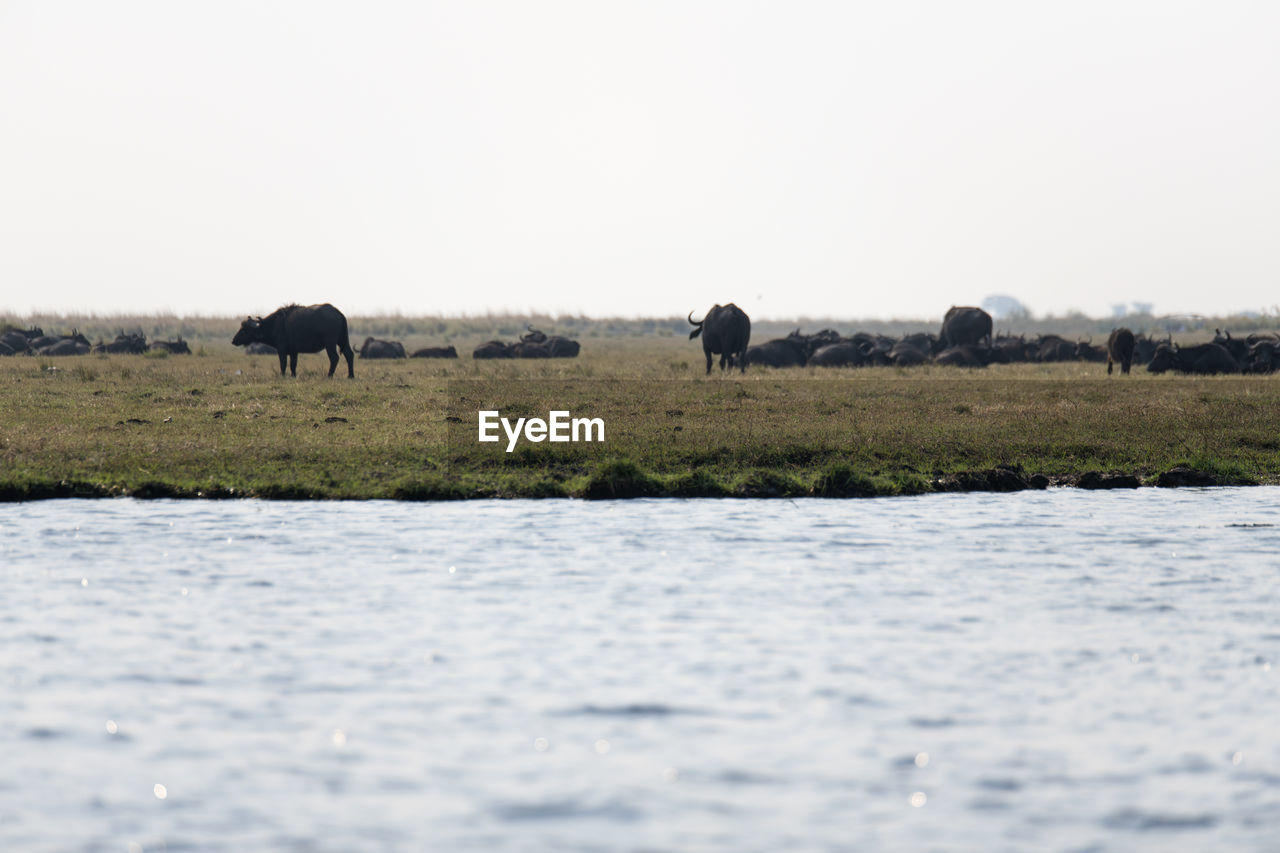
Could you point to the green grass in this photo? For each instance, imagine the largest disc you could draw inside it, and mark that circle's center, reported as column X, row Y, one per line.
column 227, row 425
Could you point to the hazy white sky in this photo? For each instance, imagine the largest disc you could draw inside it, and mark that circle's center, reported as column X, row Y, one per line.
column 822, row 158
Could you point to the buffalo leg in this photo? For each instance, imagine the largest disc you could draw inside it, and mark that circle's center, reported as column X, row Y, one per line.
column 332, row 351
column 351, row 363
column 1109, row 367
column 283, row 359
column 742, row 360
column 707, row 352
column 293, row 364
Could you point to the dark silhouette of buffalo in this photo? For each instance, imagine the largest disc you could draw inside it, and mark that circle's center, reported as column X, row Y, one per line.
column 16, row 341
column 178, row 347
column 967, row 355
column 66, row 346
column 1201, row 358
column 374, row 348
column 435, row 352
column 296, row 329
column 779, row 352
column 1120, row 346
column 493, row 349
column 259, row 348
column 965, row 326
column 726, row 331
column 133, row 343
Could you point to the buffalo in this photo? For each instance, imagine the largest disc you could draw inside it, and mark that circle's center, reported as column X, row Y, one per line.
column 178, row 347
column 965, row 326
column 296, row 329
column 374, row 348
column 780, row 352
column 435, row 352
column 65, row 346
column 967, row 355
column 259, row 348
column 493, row 349
column 1201, row 358
column 15, row 341
column 1120, row 349
column 843, row 354
column 135, row 344
column 726, row 331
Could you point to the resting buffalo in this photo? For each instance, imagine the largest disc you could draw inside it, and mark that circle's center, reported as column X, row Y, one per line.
column 259, row 348
column 66, row 346
column 435, row 352
column 492, row 349
column 963, row 326
column 43, row 342
column 1201, row 358
column 842, row 354
column 725, row 330
column 15, row 341
column 780, row 352
column 1120, row 349
column 178, row 347
column 132, row 343
column 374, row 348
column 295, row 329
column 967, row 356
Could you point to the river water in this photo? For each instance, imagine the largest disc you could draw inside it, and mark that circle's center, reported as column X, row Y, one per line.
column 1056, row 670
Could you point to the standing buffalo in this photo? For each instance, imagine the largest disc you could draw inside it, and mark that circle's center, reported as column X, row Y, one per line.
column 725, row 330
column 1120, row 349
column 296, row 329
column 965, row 326
column 374, row 348
column 435, row 352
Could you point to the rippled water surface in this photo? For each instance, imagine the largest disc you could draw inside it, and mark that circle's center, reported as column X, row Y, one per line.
column 1048, row 670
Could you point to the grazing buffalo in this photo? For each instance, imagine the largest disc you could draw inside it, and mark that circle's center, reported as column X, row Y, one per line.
column 178, row 347
column 492, row 349
column 435, row 352
column 1201, row 358
column 1120, row 349
column 296, row 329
column 134, row 344
column 963, row 326
column 259, row 348
column 725, row 330
column 374, row 348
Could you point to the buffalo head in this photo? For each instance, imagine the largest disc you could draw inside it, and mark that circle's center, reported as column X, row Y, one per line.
column 250, row 332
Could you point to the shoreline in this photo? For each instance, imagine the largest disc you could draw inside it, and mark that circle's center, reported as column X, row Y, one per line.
column 622, row 481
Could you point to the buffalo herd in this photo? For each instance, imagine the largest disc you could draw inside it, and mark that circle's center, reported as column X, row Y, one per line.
column 34, row 341
column 967, row 339
column 532, row 344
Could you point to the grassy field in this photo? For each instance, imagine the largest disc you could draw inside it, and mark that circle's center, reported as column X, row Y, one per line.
column 224, row 424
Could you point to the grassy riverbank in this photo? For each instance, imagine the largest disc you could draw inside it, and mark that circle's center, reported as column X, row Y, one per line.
column 227, row 425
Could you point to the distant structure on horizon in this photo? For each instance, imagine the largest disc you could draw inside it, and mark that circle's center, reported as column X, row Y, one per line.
column 1126, row 309
column 1003, row 307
